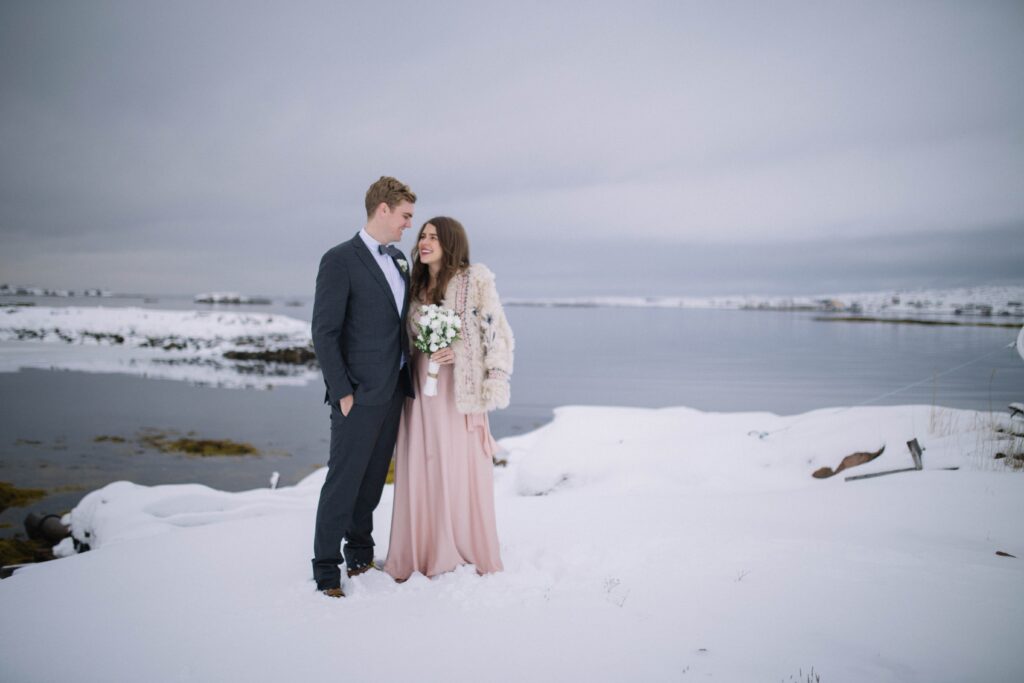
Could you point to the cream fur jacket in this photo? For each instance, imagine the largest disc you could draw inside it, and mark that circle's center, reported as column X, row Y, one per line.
column 483, row 352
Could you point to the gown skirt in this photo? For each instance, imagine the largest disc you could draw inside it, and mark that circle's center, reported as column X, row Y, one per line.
column 443, row 514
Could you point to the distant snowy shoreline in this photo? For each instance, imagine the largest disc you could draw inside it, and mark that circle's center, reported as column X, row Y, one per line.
column 981, row 301
column 229, row 298
column 971, row 301
column 8, row 290
column 262, row 350
column 204, row 347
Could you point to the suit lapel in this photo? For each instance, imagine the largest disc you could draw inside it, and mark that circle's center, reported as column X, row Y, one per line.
column 405, row 313
column 371, row 264
column 405, row 279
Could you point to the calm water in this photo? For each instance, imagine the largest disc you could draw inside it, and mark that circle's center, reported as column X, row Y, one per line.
column 712, row 360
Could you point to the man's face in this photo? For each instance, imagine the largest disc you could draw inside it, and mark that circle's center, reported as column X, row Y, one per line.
column 396, row 220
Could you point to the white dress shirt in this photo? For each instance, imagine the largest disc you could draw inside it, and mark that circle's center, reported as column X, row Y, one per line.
column 388, row 267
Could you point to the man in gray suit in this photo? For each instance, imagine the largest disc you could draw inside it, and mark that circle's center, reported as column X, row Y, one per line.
column 360, row 338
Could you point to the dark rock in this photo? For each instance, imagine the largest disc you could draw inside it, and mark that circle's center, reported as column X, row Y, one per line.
column 296, row 355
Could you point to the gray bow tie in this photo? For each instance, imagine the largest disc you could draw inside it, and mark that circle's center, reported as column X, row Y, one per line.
column 384, row 250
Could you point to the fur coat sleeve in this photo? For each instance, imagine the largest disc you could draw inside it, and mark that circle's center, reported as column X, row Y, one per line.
column 483, row 355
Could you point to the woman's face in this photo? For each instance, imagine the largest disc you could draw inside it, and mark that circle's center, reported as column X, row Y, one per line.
column 429, row 246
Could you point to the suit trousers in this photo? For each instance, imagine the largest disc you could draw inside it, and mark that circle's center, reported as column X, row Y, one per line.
column 362, row 444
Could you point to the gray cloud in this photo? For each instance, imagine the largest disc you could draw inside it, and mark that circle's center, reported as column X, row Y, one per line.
column 805, row 267
column 182, row 146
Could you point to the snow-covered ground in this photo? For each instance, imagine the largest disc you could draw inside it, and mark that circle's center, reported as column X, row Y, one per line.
column 181, row 345
column 969, row 301
column 639, row 545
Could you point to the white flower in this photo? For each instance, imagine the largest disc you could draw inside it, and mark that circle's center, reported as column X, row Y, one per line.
column 403, row 264
column 438, row 328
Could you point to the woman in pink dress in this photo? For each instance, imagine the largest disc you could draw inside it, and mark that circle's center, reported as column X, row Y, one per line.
column 443, row 515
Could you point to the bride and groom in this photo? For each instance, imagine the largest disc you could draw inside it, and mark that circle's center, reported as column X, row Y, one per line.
column 368, row 297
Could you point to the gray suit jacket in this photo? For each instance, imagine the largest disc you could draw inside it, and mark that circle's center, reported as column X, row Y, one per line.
column 358, row 335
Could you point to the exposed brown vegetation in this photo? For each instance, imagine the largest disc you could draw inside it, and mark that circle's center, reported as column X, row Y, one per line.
column 13, row 497
column 21, row 551
column 198, row 447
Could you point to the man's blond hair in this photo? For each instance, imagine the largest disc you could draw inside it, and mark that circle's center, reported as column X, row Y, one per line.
column 389, row 190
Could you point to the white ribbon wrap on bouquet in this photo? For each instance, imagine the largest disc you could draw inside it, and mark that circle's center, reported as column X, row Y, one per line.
column 430, row 388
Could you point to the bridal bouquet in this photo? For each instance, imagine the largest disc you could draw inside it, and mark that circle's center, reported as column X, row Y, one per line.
column 439, row 328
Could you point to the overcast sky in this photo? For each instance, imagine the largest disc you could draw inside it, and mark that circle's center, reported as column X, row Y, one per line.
column 589, row 147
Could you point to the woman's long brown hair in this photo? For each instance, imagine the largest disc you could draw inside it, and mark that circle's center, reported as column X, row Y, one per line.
column 455, row 247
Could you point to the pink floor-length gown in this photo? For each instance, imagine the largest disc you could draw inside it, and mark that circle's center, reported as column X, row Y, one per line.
column 443, row 514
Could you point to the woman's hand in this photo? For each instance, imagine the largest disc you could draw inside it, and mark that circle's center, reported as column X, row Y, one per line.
column 443, row 357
